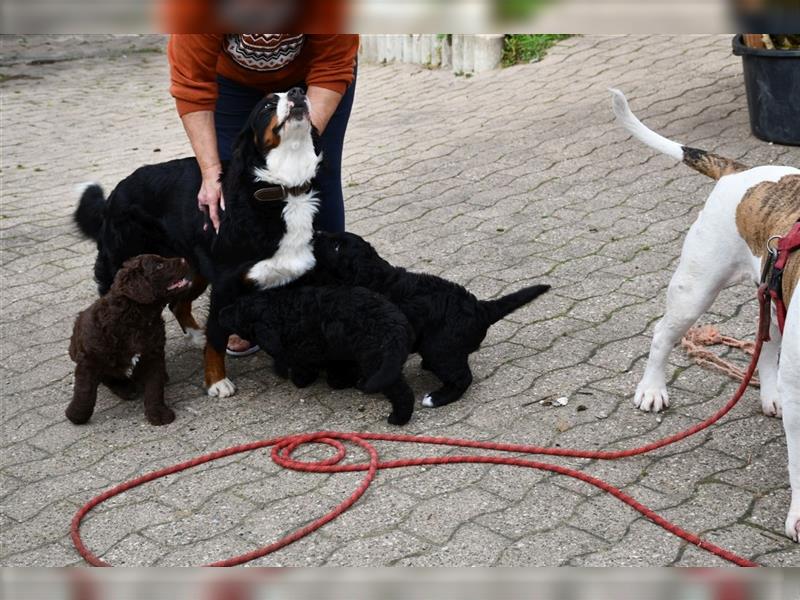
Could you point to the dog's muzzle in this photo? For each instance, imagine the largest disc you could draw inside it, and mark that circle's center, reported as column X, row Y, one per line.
column 298, row 104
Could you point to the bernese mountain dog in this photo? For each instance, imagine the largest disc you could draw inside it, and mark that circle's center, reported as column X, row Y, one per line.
column 267, row 222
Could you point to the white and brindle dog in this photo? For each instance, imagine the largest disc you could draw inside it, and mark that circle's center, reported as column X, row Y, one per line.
column 727, row 244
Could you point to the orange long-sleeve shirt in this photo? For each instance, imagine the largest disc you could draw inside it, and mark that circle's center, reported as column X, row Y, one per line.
column 265, row 62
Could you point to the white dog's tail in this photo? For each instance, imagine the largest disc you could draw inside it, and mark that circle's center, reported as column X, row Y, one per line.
column 708, row 164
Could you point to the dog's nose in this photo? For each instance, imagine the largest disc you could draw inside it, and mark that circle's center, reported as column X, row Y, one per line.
column 296, row 95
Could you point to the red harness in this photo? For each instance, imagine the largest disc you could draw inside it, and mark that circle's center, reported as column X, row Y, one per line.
column 773, row 270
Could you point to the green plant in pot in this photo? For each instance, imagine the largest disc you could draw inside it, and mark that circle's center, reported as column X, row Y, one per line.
column 771, row 65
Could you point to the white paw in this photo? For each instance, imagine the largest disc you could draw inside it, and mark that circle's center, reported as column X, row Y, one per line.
column 793, row 525
column 222, row 389
column 282, row 268
column 427, row 401
column 196, row 337
column 772, row 406
column 651, row 398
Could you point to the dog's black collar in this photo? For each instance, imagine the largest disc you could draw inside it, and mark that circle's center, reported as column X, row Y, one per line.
column 279, row 193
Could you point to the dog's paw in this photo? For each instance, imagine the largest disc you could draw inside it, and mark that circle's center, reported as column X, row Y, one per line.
column 435, row 400
column 161, row 415
column 222, row 389
column 793, row 525
column 399, row 418
column 196, row 337
column 78, row 415
column 771, row 406
column 651, row 398
column 302, row 379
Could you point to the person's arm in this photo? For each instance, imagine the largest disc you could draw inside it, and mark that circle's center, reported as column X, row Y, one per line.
column 200, row 130
column 330, row 71
column 193, row 62
column 323, row 103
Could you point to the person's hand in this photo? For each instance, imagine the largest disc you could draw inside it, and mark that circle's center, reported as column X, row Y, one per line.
column 210, row 199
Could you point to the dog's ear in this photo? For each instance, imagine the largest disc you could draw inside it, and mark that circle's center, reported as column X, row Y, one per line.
column 132, row 282
column 258, row 135
column 247, row 144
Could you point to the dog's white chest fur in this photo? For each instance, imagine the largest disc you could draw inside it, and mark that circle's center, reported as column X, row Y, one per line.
column 295, row 254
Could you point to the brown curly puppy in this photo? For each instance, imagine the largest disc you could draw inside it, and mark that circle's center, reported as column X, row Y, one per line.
column 120, row 338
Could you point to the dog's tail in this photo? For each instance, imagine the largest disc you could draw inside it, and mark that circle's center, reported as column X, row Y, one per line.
column 89, row 214
column 390, row 369
column 708, row 164
column 499, row 308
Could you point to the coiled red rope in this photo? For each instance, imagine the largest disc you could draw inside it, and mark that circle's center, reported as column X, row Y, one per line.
column 284, row 447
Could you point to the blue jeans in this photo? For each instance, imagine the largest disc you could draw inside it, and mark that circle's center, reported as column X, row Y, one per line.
column 234, row 104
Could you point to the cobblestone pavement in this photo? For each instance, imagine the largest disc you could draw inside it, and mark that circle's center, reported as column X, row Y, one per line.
column 508, row 178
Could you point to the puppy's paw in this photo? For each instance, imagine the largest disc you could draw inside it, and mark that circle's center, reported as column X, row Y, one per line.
column 399, row 417
column 793, row 524
column 303, row 379
column 651, row 398
column 437, row 398
column 79, row 415
column 196, row 337
column 771, row 406
column 222, row 389
column 161, row 415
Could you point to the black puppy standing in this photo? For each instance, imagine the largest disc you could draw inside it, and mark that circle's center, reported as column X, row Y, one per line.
column 306, row 329
column 121, row 336
column 448, row 321
column 268, row 219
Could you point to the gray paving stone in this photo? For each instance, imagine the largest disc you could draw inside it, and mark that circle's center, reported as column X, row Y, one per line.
column 385, row 549
column 436, row 519
column 48, row 555
column 538, row 549
column 471, row 545
column 543, row 508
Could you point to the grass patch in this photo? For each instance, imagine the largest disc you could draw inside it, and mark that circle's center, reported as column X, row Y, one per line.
column 528, row 47
column 518, row 10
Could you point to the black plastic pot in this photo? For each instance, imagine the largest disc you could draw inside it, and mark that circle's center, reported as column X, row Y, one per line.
column 772, row 82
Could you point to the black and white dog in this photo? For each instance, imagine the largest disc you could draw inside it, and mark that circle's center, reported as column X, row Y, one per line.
column 449, row 322
column 268, row 219
column 359, row 336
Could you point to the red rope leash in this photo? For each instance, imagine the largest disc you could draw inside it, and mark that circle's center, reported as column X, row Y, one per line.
column 283, row 447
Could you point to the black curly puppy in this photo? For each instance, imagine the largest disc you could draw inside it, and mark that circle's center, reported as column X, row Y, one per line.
column 449, row 322
column 120, row 337
column 307, row 328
